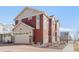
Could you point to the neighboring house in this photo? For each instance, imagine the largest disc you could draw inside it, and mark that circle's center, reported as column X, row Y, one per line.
column 5, row 33
column 1, row 31
column 64, row 37
column 77, row 36
column 7, row 29
column 40, row 22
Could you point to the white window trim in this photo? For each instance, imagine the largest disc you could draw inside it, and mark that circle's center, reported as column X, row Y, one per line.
column 38, row 22
column 29, row 18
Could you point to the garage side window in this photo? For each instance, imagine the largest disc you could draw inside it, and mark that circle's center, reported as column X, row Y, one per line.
column 38, row 22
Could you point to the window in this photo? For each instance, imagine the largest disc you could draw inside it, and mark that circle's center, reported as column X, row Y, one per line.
column 37, row 22
column 29, row 18
column 24, row 20
column 45, row 24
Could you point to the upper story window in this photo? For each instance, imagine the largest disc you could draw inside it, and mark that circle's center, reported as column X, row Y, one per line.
column 29, row 18
column 46, row 23
column 38, row 22
column 24, row 20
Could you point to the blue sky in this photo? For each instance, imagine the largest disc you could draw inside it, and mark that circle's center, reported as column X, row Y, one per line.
column 67, row 15
column 7, row 14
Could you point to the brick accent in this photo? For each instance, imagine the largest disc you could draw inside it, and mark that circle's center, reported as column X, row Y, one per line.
column 41, row 28
column 50, row 30
column 38, row 33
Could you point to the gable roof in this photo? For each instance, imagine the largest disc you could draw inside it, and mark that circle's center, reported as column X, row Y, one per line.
column 20, row 24
column 26, row 8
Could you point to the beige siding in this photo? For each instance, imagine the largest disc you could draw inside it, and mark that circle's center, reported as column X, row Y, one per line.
column 58, row 32
column 53, row 30
column 27, row 13
column 54, row 21
column 45, row 29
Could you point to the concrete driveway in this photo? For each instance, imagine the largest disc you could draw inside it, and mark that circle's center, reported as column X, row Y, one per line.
column 29, row 48
column 24, row 48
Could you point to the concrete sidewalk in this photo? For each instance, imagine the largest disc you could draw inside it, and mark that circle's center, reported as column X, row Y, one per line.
column 68, row 48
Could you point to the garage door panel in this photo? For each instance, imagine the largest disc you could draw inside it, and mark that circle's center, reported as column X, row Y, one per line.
column 22, row 39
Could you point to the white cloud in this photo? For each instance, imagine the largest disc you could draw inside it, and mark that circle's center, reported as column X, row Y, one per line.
column 72, row 32
column 67, row 29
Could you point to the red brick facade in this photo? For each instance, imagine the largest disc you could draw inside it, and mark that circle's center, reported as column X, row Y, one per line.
column 50, row 30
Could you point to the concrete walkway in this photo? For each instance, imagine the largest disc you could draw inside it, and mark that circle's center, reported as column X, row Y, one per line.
column 68, row 48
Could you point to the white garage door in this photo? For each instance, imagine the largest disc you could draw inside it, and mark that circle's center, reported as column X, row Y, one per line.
column 22, row 39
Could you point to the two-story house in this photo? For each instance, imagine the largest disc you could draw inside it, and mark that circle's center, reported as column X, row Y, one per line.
column 40, row 25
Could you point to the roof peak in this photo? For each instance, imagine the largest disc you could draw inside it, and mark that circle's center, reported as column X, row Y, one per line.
column 29, row 8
